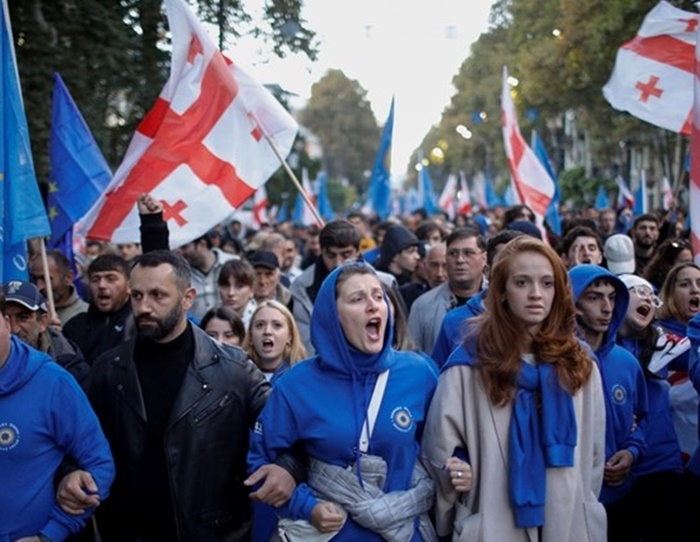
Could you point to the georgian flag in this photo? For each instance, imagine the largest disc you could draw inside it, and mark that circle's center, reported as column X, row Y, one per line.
column 448, row 196
column 464, row 202
column 260, row 203
column 531, row 182
column 203, row 148
column 667, row 194
column 654, row 72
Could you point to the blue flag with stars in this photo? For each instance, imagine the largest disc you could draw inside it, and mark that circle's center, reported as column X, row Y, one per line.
column 79, row 173
column 23, row 212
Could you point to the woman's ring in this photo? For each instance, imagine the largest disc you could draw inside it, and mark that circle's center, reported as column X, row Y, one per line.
column 459, row 474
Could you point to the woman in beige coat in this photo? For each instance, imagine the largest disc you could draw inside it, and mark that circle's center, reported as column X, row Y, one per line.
column 515, row 434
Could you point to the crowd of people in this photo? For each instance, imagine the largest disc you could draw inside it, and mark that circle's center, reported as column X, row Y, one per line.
column 417, row 379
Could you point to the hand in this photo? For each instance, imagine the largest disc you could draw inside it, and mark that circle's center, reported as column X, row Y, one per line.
column 460, row 474
column 277, row 487
column 77, row 492
column 618, row 467
column 326, row 517
column 148, row 205
column 54, row 322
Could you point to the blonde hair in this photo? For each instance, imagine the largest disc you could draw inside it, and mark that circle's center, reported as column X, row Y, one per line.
column 294, row 351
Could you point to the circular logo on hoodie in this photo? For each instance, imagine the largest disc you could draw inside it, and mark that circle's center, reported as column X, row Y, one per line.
column 619, row 394
column 9, row 436
column 402, row 419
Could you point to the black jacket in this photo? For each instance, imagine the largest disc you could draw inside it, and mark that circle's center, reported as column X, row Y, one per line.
column 206, row 442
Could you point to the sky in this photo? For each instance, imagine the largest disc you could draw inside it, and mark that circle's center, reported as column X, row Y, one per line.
column 407, row 48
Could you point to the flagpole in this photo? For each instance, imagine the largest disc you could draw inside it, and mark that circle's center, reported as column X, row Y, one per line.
column 284, row 163
column 47, row 281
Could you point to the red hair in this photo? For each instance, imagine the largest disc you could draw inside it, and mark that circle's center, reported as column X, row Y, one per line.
column 497, row 333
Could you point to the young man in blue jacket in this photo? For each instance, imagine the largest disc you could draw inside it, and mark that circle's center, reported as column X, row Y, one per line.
column 44, row 417
column 601, row 304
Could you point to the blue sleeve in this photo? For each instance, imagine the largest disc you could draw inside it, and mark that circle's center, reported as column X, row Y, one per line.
column 275, row 432
column 442, row 348
column 694, row 354
column 636, row 441
column 80, row 437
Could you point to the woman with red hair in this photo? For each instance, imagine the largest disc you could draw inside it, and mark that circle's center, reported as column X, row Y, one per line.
column 515, row 434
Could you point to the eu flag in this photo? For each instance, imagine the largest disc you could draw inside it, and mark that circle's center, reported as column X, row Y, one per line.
column 79, row 172
column 23, row 213
column 325, row 209
column 380, row 181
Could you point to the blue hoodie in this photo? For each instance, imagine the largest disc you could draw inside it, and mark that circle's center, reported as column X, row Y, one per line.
column 44, row 416
column 624, row 385
column 451, row 330
column 322, row 404
column 694, row 374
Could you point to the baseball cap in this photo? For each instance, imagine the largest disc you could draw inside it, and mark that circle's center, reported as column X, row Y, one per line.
column 26, row 294
column 619, row 254
column 264, row 258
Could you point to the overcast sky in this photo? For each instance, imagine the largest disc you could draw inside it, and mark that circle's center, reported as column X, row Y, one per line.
column 409, row 48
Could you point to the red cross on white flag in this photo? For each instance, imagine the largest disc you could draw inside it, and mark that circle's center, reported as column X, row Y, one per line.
column 464, row 202
column 695, row 160
column 201, row 149
column 653, row 74
column 260, row 202
column 533, row 185
column 448, row 196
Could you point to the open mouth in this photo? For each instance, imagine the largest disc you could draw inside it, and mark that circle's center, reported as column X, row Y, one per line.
column 643, row 310
column 268, row 343
column 694, row 303
column 372, row 327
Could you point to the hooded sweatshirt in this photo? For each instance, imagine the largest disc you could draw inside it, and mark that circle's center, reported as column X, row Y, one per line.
column 44, row 417
column 624, row 386
column 322, row 404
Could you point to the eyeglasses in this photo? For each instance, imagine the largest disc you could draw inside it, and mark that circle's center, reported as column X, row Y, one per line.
column 681, row 244
column 466, row 252
column 646, row 293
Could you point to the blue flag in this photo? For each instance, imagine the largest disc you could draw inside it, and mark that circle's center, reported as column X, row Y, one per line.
column 492, row 198
column 283, row 215
column 79, row 173
column 325, row 209
column 601, row 199
column 552, row 216
column 640, row 197
column 23, row 212
column 380, row 182
column 428, row 200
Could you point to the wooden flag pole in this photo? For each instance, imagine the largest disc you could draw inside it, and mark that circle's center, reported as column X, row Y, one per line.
column 53, row 316
column 289, row 171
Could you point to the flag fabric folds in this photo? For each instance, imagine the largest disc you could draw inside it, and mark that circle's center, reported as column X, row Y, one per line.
column 448, row 196
column 624, row 196
column 601, row 199
column 426, row 194
column 464, row 201
column 325, row 209
column 23, row 213
column 302, row 213
column 202, row 149
column 532, row 183
column 260, row 203
column 380, row 180
column 552, row 216
column 641, row 198
column 653, row 74
column 667, row 196
column 695, row 160
column 78, row 172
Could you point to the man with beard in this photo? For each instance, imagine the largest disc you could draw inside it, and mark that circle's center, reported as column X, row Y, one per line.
column 645, row 234
column 177, row 409
column 66, row 299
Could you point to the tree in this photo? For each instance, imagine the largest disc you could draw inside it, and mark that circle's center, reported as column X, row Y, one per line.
column 340, row 115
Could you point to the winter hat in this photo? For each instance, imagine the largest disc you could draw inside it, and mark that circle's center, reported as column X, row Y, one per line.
column 632, row 281
column 619, row 253
column 396, row 239
column 527, row 227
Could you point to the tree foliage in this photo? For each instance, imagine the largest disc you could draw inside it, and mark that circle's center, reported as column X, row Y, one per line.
column 562, row 52
column 113, row 56
column 339, row 113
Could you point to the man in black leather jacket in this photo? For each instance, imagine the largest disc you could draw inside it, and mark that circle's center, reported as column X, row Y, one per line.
column 176, row 408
